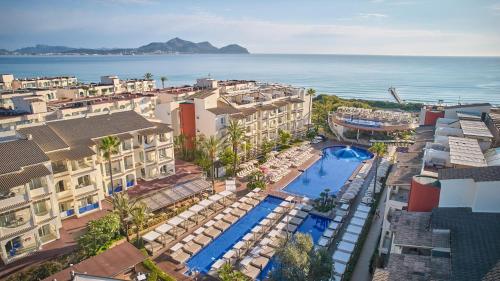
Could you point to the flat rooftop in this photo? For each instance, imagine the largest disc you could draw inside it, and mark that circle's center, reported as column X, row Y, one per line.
column 466, row 152
column 475, row 128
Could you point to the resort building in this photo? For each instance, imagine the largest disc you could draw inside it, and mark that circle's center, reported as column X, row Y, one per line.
column 8, row 82
column 354, row 123
column 29, row 213
column 70, row 175
column 262, row 109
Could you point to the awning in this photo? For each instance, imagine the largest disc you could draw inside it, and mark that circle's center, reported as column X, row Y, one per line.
column 164, row 228
column 226, row 193
column 175, row 221
column 151, row 236
column 205, row 203
column 196, row 208
column 215, row 197
column 186, row 214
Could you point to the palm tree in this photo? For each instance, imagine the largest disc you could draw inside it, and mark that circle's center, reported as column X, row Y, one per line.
column 211, row 147
column 235, row 133
column 123, row 207
column 180, row 145
column 311, row 93
column 163, row 79
column 109, row 146
column 379, row 149
column 148, row 76
column 139, row 216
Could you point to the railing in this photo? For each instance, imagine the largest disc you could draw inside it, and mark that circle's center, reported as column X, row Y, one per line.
column 67, row 213
column 88, row 208
column 129, row 166
column 130, row 183
column 117, row 188
column 84, row 189
column 15, row 225
column 56, row 169
column 42, row 216
column 12, row 199
column 39, row 191
column 20, row 250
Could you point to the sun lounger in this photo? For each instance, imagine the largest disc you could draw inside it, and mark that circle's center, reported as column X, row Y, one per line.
column 252, row 202
column 248, row 237
column 218, row 264
column 218, row 217
column 328, row 233
column 251, row 271
column 221, row 225
column 265, row 222
column 260, row 261
column 230, row 218
column 272, row 216
column 228, row 210
column 292, row 220
column 275, row 242
column 237, row 212
column 176, row 247
column 202, row 239
column 192, row 248
column 188, row 238
column 298, row 213
column 323, row 242
column 267, row 251
column 180, row 256
column 245, row 207
column 212, row 232
column 230, row 256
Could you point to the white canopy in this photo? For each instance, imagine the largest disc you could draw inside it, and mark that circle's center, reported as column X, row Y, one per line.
column 164, row 228
column 354, row 229
column 285, row 204
column 328, row 233
column 341, row 256
column 289, row 198
column 361, row 215
column 333, row 225
column 257, row 189
column 215, row 197
column 226, row 193
column 196, row 208
column 151, row 236
column 346, row 246
column 348, row 196
column 235, row 204
column 186, row 214
column 358, row 222
column 339, row 267
column 175, row 221
column 257, row 228
column 188, row 238
column 353, row 238
column 205, row 203
column 363, row 208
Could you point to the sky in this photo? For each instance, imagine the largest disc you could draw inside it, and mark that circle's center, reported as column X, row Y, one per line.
column 377, row 27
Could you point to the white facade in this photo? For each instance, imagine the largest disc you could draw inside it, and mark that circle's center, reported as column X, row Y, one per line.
column 480, row 196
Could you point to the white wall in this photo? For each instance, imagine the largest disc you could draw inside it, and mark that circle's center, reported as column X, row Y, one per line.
column 452, row 112
column 487, row 197
column 457, row 193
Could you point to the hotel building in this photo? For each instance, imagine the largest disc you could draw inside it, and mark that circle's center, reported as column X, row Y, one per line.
column 75, row 177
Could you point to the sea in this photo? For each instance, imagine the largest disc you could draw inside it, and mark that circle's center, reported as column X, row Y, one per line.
column 450, row 80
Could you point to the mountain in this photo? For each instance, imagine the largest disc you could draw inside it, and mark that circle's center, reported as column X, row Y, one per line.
column 173, row 46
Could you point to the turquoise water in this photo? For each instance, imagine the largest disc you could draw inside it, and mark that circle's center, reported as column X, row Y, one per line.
column 425, row 79
column 204, row 259
column 331, row 171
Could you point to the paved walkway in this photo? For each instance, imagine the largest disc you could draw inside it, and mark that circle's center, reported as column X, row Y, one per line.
column 361, row 270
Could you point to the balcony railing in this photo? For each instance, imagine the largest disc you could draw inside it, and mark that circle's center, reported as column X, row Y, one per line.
column 129, row 166
column 12, row 198
column 67, row 213
column 117, row 188
column 56, row 169
column 81, row 189
column 88, row 208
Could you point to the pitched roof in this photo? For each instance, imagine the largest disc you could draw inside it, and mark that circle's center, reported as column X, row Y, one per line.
column 469, row 105
column 107, row 264
column 417, row 268
column 14, row 155
column 223, row 108
column 478, row 174
column 466, row 151
column 475, row 128
column 475, row 247
column 411, row 228
column 80, row 131
column 75, row 153
column 45, row 137
column 23, row 176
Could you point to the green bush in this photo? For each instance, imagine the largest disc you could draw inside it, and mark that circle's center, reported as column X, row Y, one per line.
column 153, row 276
column 153, row 268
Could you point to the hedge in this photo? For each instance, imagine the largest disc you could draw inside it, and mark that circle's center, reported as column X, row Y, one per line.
column 155, row 270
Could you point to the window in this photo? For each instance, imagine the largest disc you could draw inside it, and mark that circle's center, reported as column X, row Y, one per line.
column 37, row 183
column 164, row 170
column 60, row 186
column 44, row 230
column 86, row 201
column 40, row 208
column 83, row 181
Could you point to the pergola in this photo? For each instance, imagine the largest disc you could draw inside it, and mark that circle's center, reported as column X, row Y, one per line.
column 163, row 230
column 150, row 238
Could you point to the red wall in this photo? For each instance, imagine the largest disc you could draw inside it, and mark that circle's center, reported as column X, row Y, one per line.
column 432, row 116
column 188, row 123
column 423, row 198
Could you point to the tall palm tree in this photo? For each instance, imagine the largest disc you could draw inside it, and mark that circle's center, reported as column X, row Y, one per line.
column 211, row 147
column 148, row 76
column 235, row 132
column 163, row 79
column 311, row 93
column 139, row 216
column 109, row 145
column 379, row 149
column 123, row 207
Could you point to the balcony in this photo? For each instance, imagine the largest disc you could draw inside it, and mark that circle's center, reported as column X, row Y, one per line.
column 16, row 224
column 20, row 251
column 42, row 216
column 12, row 199
column 88, row 208
column 83, row 189
column 400, row 196
column 164, row 159
column 47, row 238
column 67, row 213
column 59, row 168
column 129, row 165
column 118, row 188
column 39, row 191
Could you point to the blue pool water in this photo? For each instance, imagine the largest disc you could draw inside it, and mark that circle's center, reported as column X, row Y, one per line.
column 312, row 225
column 363, row 122
column 331, row 171
column 204, row 259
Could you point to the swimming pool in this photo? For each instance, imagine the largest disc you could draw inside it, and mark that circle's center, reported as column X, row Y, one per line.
column 204, row 259
column 364, row 122
column 331, row 171
column 312, row 225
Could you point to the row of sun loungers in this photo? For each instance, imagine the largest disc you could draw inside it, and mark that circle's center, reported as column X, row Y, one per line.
column 258, row 246
column 202, row 236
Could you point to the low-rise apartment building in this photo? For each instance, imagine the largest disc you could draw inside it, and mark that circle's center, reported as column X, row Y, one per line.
column 61, row 172
column 9, row 82
column 29, row 214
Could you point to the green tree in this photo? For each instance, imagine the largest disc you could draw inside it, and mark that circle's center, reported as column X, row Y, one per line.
column 163, row 79
column 148, row 76
column 228, row 273
column 235, row 132
column 296, row 261
column 257, row 180
column 100, row 234
column 285, row 138
column 110, row 145
column 122, row 206
column 267, row 147
column 212, row 146
column 226, row 158
column 311, row 93
column 139, row 216
column 180, row 146
column 247, row 147
column 379, row 149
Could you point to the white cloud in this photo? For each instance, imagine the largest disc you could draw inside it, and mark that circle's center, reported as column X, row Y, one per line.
column 372, row 15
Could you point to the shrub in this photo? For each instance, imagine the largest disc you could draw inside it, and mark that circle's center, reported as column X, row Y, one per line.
column 153, row 268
